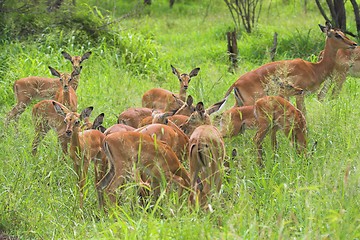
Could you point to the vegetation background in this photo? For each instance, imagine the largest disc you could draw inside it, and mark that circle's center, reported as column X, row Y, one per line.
column 133, row 46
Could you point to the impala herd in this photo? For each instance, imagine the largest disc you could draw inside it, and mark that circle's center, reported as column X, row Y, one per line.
column 168, row 133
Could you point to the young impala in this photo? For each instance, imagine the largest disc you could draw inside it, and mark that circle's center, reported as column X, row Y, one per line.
column 37, row 88
column 85, row 146
column 45, row 117
column 206, row 154
column 162, row 99
column 133, row 154
column 303, row 74
column 274, row 113
column 347, row 63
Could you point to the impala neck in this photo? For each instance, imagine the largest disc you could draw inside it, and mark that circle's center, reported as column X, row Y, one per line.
column 75, row 141
column 325, row 67
column 182, row 94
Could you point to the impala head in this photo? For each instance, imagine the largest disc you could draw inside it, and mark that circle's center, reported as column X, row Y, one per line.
column 187, row 107
column 65, row 78
column 76, row 60
column 337, row 38
column 160, row 117
column 288, row 89
column 71, row 119
column 200, row 117
column 185, row 78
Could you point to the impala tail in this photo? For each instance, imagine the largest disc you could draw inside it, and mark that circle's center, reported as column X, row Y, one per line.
column 105, row 181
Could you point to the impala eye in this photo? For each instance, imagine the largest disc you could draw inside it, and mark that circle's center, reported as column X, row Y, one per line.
column 338, row 35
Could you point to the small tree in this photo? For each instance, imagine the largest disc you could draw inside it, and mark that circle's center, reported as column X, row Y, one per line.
column 245, row 12
column 336, row 9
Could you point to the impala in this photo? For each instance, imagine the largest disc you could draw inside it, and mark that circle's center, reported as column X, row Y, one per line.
column 85, row 146
column 206, row 154
column 160, row 117
column 235, row 120
column 45, row 117
column 170, row 134
column 66, row 94
column 135, row 117
column 274, row 113
column 162, row 99
column 347, row 63
column 150, row 158
column 37, row 88
column 118, row 128
column 303, row 74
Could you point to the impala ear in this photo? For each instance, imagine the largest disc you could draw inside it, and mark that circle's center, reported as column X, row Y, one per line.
column 101, row 128
column 66, row 55
column 85, row 56
column 54, row 72
column 175, row 71
column 200, row 108
column 59, row 109
column 98, row 121
column 189, row 100
column 216, row 107
column 194, row 72
column 86, row 113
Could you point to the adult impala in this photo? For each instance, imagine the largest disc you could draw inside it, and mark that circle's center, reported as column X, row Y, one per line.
column 206, row 154
column 37, row 88
column 303, row 74
column 153, row 159
column 274, row 113
column 85, row 146
column 162, row 99
column 347, row 63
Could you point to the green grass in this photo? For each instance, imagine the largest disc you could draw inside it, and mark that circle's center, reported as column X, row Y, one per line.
column 291, row 198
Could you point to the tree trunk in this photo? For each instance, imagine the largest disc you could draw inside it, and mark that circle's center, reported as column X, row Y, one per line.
column 232, row 49
column 357, row 16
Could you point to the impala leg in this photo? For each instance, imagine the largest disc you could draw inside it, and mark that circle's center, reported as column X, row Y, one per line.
column 324, row 90
column 340, row 79
column 300, row 103
column 82, row 179
column 16, row 111
column 274, row 142
column 258, row 138
column 41, row 130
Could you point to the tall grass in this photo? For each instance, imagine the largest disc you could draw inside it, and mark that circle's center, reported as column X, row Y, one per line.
column 290, row 198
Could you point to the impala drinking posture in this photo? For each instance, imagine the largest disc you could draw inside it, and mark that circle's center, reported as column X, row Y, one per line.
column 162, row 99
column 347, row 63
column 85, row 146
column 151, row 159
column 206, row 153
column 38, row 88
column 274, row 113
column 305, row 75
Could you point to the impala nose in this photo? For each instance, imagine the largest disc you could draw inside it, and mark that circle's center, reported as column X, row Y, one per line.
column 68, row 133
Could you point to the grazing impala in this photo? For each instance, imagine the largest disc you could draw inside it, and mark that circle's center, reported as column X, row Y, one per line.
column 347, row 63
column 171, row 135
column 302, row 74
column 85, row 146
column 161, row 99
column 274, row 113
column 38, row 88
column 206, row 154
column 45, row 117
column 134, row 116
column 153, row 159
column 235, row 120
